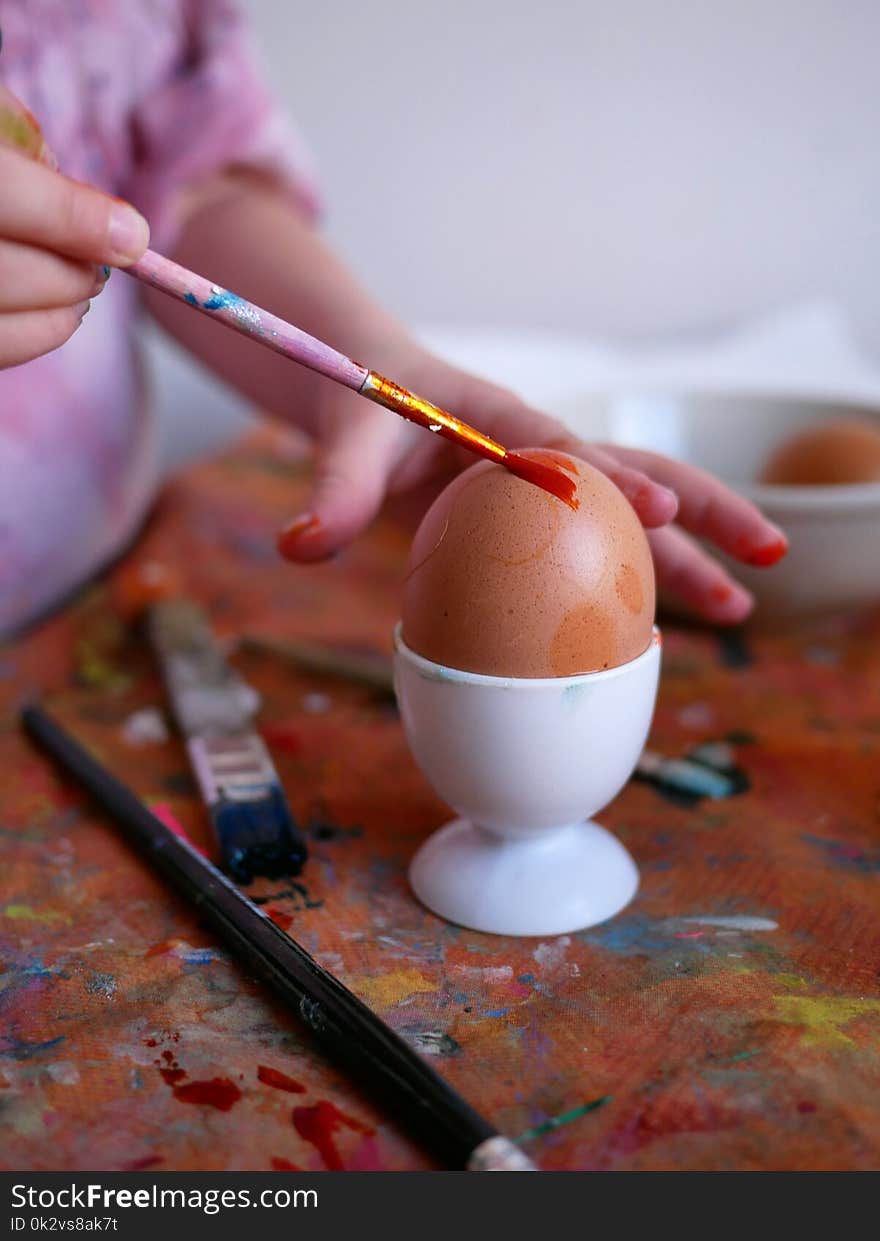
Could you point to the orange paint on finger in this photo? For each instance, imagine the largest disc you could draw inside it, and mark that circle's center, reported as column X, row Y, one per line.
column 720, row 592
column 769, row 554
column 292, row 535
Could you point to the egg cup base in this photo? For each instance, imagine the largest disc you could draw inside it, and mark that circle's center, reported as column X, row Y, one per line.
column 561, row 881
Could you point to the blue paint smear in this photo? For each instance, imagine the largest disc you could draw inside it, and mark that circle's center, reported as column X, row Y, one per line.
column 637, row 935
column 527, row 979
column 18, row 1049
column 188, row 297
column 495, row 1012
column 198, row 956
column 224, row 300
column 845, row 856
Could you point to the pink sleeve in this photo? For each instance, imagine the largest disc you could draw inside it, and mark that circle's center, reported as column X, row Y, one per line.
column 213, row 111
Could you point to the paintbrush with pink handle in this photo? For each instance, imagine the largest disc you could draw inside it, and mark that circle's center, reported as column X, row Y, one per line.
column 284, row 338
column 21, row 130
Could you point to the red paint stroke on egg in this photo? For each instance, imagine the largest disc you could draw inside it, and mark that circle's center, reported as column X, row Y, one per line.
column 217, row 1092
column 548, row 477
column 318, row 1124
column 273, row 1077
column 284, row 1165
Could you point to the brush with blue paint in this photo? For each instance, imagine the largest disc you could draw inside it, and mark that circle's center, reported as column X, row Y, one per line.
column 215, row 709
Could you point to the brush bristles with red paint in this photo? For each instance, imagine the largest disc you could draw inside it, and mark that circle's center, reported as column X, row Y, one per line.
column 549, row 477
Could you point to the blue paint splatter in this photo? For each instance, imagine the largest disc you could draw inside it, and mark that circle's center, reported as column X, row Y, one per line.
column 198, row 956
column 189, row 297
column 846, row 856
column 495, row 1012
column 224, row 300
column 19, row 1049
column 637, row 935
column 528, row 979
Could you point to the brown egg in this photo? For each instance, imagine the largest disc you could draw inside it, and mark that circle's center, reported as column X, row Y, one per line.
column 832, row 453
column 506, row 580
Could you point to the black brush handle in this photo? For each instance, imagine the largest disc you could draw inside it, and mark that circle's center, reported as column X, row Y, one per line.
column 417, row 1098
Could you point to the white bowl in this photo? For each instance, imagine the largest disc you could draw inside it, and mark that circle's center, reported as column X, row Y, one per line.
column 525, row 762
column 833, row 561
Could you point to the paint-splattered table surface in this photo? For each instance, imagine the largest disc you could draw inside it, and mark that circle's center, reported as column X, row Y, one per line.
column 729, row 1019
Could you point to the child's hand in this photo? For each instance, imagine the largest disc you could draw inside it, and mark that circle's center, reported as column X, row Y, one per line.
column 366, row 455
column 55, row 237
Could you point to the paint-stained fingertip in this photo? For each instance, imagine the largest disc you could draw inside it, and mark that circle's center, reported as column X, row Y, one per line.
column 655, row 504
column 303, row 539
column 728, row 604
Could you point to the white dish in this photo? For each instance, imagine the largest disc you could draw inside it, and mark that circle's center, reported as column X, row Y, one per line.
column 833, row 561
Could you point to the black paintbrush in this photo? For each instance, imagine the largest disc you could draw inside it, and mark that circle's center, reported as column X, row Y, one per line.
column 377, row 1058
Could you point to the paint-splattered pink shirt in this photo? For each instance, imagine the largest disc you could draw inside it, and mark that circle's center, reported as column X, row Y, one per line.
column 142, row 98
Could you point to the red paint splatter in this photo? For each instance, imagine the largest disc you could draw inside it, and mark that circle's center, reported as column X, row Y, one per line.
column 137, row 1165
column 217, row 1092
column 272, row 1077
column 279, row 917
column 158, row 950
column 168, row 1055
column 282, row 737
column 318, row 1124
column 151, row 1042
column 165, row 815
column 806, row 1106
column 170, row 1076
column 284, row 1165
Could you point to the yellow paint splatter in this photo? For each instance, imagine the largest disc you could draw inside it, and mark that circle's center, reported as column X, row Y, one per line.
column 794, row 982
column 823, row 1015
column 27, row 914
column 385, row 990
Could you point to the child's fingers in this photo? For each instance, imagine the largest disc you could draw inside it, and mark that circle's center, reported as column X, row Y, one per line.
column 695, row 579
column 713, row 511
column 655, row 504
column 349, row 485
column 518, row 426
column 31, row 333
column 46, row 209
column 32, row 279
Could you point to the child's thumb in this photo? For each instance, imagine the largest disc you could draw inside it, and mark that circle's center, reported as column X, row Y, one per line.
column 348, row 488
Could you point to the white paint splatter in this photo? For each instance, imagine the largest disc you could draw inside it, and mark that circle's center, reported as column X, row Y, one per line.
column 488, row 973
column 696, row 715
column 733, row 922
column 64, row 1072
column 550, row 956
column 145, row 727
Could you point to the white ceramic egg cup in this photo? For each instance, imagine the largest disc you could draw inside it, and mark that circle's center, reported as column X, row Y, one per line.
column 525, row 762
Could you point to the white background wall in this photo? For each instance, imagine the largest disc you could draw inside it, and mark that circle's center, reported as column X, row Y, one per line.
column 636, row 168
column 632, row 166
